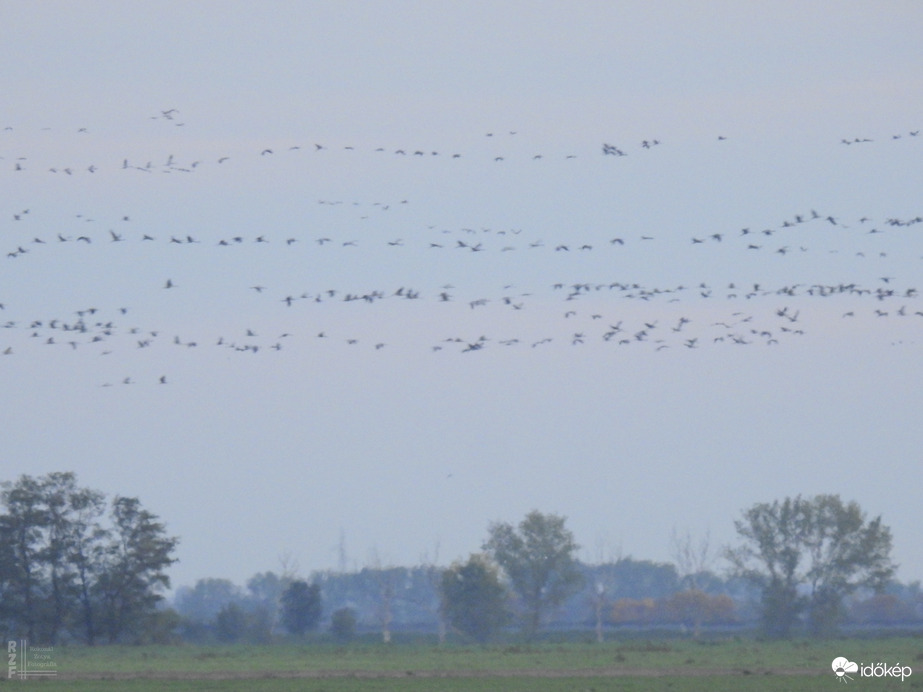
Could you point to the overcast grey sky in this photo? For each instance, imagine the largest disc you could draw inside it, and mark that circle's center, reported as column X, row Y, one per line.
column 542, row 327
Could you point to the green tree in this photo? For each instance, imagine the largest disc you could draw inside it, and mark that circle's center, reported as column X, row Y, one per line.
column 259, row 624
column 64, row 568
column 343, row 624
column 806, row 555
column 53, row 535
column 204, row 601
column 231, row 623
column 164, row 627
column 86, row 553
column 694, row 607
column 473, row 597
column 133, row 573
column 538, row 559
column 266, row 589
column 73, row 545
column 301, row 607
column 22, row 531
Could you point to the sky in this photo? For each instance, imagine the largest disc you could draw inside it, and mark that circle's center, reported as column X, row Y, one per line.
column 338, row 284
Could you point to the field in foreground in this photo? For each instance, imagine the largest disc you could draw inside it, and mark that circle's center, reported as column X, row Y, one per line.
column 730, row 664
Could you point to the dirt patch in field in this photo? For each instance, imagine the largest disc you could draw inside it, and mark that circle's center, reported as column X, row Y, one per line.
column 613, row 672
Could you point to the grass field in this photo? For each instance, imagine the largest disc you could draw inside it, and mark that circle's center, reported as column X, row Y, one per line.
column 635, row 664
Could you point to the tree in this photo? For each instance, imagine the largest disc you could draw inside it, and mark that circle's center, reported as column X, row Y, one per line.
column 22, row 531
column 884, row 609
column 205, row 600
column 806, row 555
column 86, row 551
column 231, row 623
column 163, row 627
column 220, row 608
column 266, row 589
column 54, row 537
column 600, row 584
column 64, row 569
column 538, row 559
column 692, row 559
column 474, row 599
column 693, row 608
column 692, row 563
column 635, row 611
column 343, row 624
column 301, row 607
column 133, row 571
column 387, row 580
column 433, row 575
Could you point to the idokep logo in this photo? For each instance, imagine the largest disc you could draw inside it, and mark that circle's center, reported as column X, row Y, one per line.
column 842, row 667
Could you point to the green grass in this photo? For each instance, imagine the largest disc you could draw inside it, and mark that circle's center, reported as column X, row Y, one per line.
column 668, row 653
column 628, row 664
column 665, row 684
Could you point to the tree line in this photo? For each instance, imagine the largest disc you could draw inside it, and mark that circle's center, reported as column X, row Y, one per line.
column 77, row 566
column 836, row 564
column 803, row 555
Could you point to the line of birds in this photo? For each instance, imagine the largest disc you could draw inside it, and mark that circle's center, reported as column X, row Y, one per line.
column 173, row 165
column 763, row 322
column 617, row 313
column 461, row 239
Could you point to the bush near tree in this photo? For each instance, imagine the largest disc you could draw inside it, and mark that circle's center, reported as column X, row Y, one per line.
column 474, row 599
column 343, row 624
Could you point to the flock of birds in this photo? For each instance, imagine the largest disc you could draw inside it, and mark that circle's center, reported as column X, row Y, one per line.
column 784, row 238
column 614, row 312
column 20, row 163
